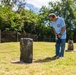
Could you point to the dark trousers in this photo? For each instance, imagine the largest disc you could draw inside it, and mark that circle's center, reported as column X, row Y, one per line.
column 60, row 47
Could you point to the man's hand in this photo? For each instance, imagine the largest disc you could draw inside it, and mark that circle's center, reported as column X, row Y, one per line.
column 58, row 36
column 59, row 40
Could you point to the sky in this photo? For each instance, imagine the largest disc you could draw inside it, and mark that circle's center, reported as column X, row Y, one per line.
column 40, row 3
column 36, row 3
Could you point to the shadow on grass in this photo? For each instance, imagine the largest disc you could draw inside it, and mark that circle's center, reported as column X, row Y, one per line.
column 48, row 59
column 19, row 62
column 70, row 50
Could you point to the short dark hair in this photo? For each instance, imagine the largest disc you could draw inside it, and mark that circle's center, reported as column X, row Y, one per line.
column 52, row 15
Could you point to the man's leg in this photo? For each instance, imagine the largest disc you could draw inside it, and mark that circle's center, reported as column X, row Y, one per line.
column 57, row 48
column 63, row 41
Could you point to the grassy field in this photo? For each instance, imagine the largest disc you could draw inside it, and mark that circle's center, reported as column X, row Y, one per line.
column 43, row 63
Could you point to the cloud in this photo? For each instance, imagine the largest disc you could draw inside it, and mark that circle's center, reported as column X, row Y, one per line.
column 39, row 3
column 15, row 8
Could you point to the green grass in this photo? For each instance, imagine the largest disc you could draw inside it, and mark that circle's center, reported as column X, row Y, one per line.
column 42, row 65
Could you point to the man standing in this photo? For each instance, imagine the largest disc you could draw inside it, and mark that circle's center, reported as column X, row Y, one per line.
column 59, row 27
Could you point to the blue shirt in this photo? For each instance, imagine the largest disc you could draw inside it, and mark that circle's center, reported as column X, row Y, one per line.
column 57, row 25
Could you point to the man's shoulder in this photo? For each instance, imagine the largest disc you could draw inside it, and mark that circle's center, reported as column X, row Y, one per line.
column 60, row 18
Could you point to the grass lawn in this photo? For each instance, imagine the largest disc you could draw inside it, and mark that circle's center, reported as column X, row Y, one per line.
column 42, row 65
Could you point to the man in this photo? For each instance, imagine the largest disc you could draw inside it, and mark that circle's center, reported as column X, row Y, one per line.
column 59, row 27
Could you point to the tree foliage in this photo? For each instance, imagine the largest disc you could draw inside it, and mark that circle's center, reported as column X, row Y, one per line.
column 65, row 9
column 27, row 21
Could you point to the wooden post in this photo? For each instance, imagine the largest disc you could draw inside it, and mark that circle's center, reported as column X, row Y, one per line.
column 26, row 50
column 17, row 36
column 0, row 36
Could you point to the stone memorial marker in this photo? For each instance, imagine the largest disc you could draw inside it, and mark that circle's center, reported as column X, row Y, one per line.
column 70, row 45
column 26, row 50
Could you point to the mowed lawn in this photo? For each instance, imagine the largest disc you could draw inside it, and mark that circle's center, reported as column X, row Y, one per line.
column 43, row 64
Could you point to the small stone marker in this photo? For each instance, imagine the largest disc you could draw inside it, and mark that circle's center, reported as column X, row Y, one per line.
column 70, row 45
column 26, row 50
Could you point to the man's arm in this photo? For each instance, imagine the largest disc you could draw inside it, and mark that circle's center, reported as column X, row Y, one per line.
column 63, row 26
column 63, row 29
column 55, row 32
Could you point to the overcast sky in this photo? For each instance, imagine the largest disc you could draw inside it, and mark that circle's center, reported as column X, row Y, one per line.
column 39, row 3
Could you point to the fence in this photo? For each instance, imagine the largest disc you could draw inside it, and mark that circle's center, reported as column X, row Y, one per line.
column 8, row 36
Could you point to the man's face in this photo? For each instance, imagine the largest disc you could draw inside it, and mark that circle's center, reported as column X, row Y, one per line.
column 52, row 19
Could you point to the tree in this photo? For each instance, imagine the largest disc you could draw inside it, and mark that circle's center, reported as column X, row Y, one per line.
column 65, row 9
column 9, row 20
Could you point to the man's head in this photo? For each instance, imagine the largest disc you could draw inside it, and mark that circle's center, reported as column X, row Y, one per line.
column 52, row 17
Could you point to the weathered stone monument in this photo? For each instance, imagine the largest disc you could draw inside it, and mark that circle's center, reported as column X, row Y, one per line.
column 26, row 50
column 70, row 45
